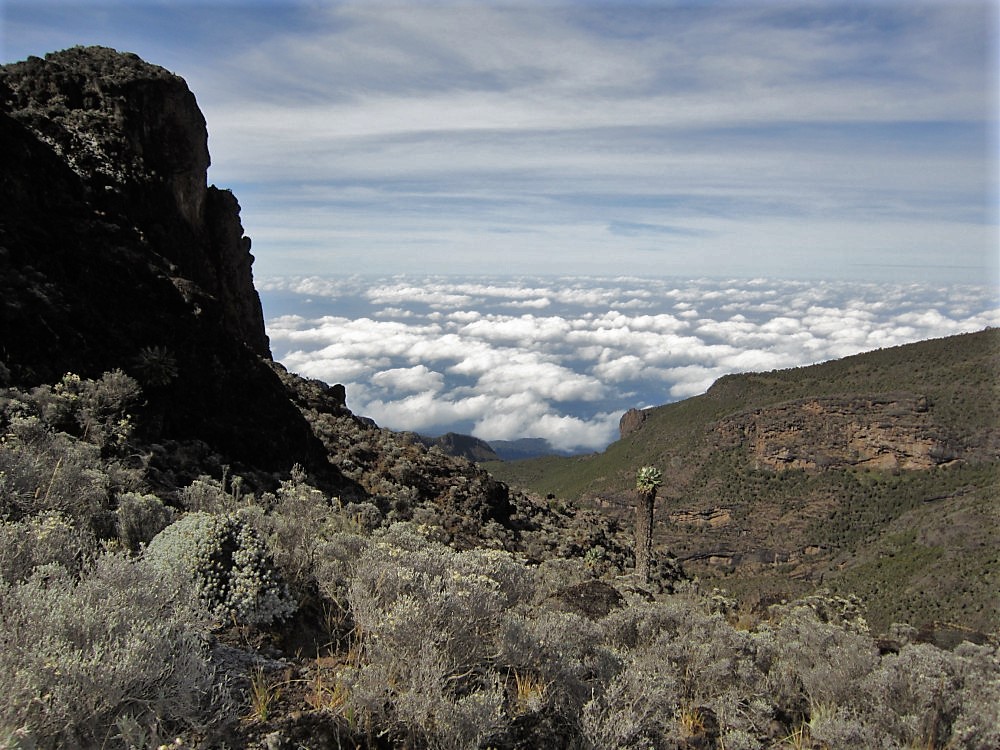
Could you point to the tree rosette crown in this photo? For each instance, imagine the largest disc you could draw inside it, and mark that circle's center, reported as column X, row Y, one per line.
column 648, row 478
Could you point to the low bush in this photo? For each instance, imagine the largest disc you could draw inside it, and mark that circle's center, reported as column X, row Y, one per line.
column 94, row 410
column 42, row 470
column 229, row 564
column 80, row 660
column 48, row 537
column 139, row 518
column 429, row 620
column 440, row 631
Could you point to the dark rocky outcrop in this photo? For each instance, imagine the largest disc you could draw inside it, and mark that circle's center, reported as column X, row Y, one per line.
column 631, row 421
column 115, row 253
column 462, row 446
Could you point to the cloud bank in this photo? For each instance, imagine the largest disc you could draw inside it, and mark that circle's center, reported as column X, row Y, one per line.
column 563, row 358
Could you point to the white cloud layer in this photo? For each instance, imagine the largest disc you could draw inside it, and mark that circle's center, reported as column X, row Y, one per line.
column 439, row 354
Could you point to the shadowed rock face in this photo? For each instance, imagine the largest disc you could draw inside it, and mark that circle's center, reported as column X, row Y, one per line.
column 132, row 132
column 115, row 253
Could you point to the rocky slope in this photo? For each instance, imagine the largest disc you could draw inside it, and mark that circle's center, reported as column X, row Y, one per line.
column 463, row 446
column 116, row 254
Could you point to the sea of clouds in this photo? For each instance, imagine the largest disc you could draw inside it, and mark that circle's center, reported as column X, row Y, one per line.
column 563, row 358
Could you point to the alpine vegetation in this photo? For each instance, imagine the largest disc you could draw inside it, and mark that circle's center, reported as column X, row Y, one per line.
column 647, row 480
column 229, row 564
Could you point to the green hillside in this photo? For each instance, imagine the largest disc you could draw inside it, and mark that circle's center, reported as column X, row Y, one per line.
column 916, row 544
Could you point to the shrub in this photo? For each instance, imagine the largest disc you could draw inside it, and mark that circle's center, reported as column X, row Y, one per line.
column 301, row 521
column 679, row 661
column 139, row 518
column 634, row 708
column 80, row 658
column 336, row 559
column 45, row 471
column 816, row 663
column 461, row 596
column 430, row 619
column 49, row 537
column 567, row 653
column 205, row 495
column 229, row 564
column 978, row 671
column 924, row 696
column 95, row 410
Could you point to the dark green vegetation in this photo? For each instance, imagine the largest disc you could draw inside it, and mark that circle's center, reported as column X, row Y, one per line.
column 875, row 474
column 199, row 549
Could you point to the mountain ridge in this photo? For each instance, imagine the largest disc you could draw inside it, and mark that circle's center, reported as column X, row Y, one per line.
column 838, row 456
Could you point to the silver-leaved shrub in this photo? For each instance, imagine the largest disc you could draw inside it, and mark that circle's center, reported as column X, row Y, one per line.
column 49, row 537
column 81, row 656
column 230, row 566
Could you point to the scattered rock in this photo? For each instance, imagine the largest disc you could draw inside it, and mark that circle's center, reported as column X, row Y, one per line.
column 592, row 599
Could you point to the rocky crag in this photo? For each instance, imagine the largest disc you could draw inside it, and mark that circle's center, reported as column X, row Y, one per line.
column 115, row 254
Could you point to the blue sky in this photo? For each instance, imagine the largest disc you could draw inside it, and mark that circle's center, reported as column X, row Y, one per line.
column 803, row 140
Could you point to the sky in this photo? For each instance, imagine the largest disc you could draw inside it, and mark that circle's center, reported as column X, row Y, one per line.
column 520, row 219
column 791, row 140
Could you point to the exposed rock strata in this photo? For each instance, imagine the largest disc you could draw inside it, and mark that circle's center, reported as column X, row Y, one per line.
column 884, row 431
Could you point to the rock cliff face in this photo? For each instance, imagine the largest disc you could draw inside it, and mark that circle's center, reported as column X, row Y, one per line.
column 885, row 431
column 115, row 253
column 132, row 132
column 630, row 422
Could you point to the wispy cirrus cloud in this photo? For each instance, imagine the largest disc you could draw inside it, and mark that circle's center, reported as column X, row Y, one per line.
column 810, row 140
column 436, row 354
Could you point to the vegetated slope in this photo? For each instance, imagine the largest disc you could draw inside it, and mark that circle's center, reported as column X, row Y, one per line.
column 876, row 473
